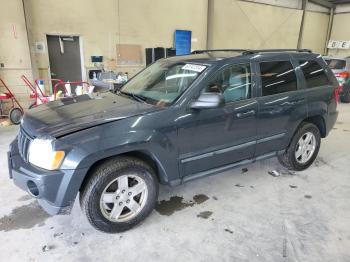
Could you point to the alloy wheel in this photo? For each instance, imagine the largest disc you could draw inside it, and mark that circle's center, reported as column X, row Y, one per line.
column 123, row 198
column 305, row 148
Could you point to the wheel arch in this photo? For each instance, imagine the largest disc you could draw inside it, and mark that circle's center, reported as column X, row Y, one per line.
column 145, row 156
column 318, row 121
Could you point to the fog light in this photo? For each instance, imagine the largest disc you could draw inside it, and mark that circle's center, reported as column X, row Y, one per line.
column 32, row 188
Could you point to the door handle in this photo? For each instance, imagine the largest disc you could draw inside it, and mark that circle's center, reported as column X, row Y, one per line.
column 245, row 114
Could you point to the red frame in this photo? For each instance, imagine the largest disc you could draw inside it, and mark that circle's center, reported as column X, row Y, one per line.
column 9, row 96
column 34, row 93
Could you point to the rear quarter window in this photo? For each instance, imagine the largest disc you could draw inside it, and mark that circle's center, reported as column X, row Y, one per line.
column 314, row 74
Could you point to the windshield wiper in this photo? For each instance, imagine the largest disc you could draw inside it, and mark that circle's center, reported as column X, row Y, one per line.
column 136, row 97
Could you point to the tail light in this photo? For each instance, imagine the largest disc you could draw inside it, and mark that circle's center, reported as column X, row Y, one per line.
column 336, row 94
column 340, row 88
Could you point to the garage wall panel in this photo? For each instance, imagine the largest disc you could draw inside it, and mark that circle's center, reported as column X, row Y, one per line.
column 315, row 31
column 238, row 24
column 340, row 31
column 14, row 49
column 94, row 21
column 104, row 24
column 152, row 23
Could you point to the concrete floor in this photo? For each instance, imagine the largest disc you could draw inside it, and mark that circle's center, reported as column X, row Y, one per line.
column 241, row 215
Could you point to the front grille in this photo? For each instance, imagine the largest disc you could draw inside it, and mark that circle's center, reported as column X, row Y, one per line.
column 23, row 144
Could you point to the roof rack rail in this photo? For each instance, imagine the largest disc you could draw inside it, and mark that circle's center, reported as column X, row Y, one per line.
column 252, row 51
column 218, row 50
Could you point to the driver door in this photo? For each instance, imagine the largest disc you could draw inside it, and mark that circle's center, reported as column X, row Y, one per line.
column 217, row 137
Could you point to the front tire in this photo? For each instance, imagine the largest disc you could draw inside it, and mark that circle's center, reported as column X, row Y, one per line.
column 303, row 148
column 120, row 194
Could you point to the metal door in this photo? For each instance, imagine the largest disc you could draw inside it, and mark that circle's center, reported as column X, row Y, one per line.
column 64, row 57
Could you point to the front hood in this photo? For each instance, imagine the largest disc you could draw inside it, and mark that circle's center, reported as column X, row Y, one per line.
column 69, row 115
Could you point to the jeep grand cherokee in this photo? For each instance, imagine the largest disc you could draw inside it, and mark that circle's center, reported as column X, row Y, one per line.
column 179, row 119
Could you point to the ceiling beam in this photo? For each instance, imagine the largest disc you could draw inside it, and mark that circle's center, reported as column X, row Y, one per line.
column 301, row 30
column 329, row 31
column 324, row 3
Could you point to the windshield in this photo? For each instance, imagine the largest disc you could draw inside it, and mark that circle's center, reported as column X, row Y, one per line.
column 337, row 64
column 162, row 82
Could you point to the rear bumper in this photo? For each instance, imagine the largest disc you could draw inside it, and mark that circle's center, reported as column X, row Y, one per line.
column 55, row 190
column 345, row 90
column 331, row 119
column 343, row 96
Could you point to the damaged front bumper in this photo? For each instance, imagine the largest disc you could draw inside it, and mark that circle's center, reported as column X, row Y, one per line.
column 54, row 190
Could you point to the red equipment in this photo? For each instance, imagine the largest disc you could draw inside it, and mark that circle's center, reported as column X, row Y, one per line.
column 342, row 74
column 16, row 112
column 64, row 88
column 38, row 96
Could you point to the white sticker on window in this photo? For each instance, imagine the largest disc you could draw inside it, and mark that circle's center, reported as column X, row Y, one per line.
column 192, row 67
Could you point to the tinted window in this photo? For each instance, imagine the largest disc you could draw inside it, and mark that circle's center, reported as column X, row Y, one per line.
column 277, row 77
column 314, row 74
column 234, row 82
column 337, row 64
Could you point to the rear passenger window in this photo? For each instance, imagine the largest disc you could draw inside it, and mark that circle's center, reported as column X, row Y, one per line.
column 277, row 77
column 314, row 74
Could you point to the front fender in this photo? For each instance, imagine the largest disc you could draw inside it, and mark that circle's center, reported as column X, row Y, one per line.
column 87, row 147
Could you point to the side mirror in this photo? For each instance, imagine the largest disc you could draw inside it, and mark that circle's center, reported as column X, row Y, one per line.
column 208, row 100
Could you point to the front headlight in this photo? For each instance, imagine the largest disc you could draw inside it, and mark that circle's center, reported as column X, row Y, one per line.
column 41, row 154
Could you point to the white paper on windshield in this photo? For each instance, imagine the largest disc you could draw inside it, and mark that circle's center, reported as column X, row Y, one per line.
column 192, row 67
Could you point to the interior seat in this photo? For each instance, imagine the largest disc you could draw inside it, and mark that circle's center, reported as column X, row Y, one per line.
column 237, row 88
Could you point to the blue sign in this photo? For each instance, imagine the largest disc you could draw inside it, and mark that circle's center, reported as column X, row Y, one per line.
column 182, row 39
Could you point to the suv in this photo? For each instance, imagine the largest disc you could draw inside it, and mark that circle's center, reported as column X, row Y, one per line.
column 179, row 119
column 341, row 69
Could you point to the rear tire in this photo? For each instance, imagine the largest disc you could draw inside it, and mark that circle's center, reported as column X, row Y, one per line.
column 111, row 190
column 15, row 115
column 291, row 158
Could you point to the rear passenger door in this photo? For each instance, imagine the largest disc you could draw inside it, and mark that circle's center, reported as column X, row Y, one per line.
column 281, row 104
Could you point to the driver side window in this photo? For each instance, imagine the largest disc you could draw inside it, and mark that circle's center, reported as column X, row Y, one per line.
column 234, row 82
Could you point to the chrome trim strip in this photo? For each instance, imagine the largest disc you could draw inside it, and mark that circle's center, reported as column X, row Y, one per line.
column 232, row 148
column 217, row 152
column 269, row 138
column 226, row 167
